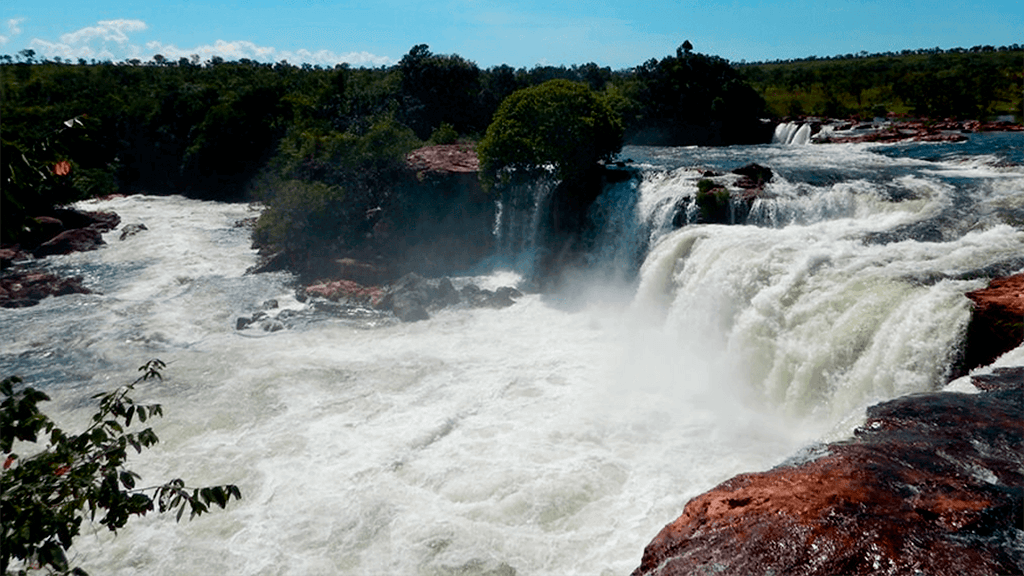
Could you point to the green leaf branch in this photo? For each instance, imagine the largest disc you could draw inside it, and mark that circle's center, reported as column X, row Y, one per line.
column 45, row 496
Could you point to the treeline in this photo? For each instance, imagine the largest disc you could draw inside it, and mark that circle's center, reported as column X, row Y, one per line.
column 227, row 130
column 889, row 54
column 979, row 83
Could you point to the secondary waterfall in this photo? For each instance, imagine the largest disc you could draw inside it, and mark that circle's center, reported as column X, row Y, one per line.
column 792, row 133
column 553, row 437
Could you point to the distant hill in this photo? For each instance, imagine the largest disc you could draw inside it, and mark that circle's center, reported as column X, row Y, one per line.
column 982, row 82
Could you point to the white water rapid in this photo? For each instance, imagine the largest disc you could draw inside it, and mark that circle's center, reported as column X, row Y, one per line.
column 555, row 437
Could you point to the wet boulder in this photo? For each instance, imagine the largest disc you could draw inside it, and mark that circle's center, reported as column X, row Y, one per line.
column 77, row 240
column 10, row 255
column 481, row 298
column 131, row 230
column 754, row 176
column 931, row 484
column 413, row 297
column 20, row 289
column 410, row 296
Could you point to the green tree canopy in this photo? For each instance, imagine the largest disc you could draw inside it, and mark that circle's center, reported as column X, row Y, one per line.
column 561, row 125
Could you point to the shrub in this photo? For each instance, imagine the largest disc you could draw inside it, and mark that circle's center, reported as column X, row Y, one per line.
column 297, row 214
column 445, row 134
column 713, row 200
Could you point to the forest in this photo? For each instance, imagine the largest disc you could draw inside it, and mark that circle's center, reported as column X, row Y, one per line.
column 979, row 83
column 306, row 135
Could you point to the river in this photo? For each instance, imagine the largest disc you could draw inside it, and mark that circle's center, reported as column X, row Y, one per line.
column 554, row 437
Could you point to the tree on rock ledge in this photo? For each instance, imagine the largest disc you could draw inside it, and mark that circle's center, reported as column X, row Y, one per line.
column 559, row 125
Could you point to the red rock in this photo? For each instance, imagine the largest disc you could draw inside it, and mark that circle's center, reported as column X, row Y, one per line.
column 932, row 484
column 458, row 158
column 9, row 254
column 997, row 321
column 22, row 289
column 345, row 290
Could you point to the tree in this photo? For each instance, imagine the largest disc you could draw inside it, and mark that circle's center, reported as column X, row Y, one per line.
column 440, row 89
column 693, row 98
column 45, row 497
column 559, row 124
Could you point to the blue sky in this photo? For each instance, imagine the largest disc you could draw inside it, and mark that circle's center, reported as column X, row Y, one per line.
column 521, row 33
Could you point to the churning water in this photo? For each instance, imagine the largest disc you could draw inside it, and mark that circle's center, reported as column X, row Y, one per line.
column 555, row 437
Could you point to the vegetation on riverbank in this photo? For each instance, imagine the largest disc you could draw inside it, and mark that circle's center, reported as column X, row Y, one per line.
column 324, row 148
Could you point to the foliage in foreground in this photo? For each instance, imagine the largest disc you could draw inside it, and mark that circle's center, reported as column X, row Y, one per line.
column 45, row 497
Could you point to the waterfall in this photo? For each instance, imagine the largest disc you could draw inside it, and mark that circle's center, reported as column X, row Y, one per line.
column 520, row 221
column 792, row 133
column 555, row 436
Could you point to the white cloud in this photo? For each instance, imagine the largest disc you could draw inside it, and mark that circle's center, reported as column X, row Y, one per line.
column 14, row 25
column 112, row 40
column 245, row 49
column 13, row 29
column 107, row 30
column 328, row 58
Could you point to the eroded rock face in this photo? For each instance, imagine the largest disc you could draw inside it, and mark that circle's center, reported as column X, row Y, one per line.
column 997, row 321
column 932, row 484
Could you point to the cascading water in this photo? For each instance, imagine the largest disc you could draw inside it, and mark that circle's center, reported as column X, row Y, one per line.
column 519, row 224
column 792, row 133
column 553, row 437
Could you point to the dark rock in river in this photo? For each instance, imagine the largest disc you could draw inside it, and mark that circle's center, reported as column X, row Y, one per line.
column 410, row 296
column 62, row 231
column 77, row 240
column 931, row 484
column 131, row 230
column 8, row 256
column 754, row 176
column 27, row 288
column 413, row 297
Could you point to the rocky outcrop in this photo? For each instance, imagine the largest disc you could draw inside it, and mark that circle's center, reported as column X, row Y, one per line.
column 60, row 232
column 77, row 240
column 724, row 200
column 412, row 298
column 65, row 231
column 931, row 484
column 997, row 321
column 344, row 291
column 445, row 159
column 20, row 289
column 435, row 219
